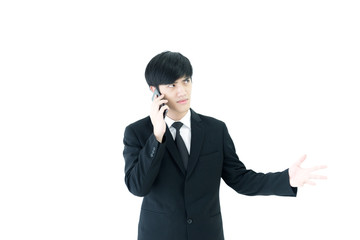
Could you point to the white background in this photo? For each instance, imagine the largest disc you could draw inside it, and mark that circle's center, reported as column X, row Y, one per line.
column 283, row 75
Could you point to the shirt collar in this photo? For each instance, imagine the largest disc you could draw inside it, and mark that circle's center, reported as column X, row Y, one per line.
column 186, row 120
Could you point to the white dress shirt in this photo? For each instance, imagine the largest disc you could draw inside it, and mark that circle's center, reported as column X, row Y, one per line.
column 185, row 130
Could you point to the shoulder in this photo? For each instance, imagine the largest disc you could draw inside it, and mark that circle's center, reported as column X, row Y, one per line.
column 207, row 120
column 140, row 127
column 144, row 122
column 137, row 133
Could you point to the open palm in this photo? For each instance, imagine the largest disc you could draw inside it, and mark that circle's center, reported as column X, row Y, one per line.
column 300, row 176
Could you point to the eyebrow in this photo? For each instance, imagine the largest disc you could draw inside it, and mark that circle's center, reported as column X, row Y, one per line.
column 185, row 79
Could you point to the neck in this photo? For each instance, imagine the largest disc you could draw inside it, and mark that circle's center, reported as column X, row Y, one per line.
column 176, row 116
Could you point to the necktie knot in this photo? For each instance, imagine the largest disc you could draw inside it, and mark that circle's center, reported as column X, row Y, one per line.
column 177, row 125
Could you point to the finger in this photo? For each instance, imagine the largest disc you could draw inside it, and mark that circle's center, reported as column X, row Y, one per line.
column 160, row 97
column 311, row 183
column 157, row 103
column 301, row 160
column 156, row 97
column 163, row 101
column 163, row 108
column 313, row 176
column 318, row 168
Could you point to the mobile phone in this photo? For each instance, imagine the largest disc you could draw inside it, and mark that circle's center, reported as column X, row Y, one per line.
column 157, row 93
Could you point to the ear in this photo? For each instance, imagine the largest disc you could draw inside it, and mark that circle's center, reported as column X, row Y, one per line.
column 152, row 88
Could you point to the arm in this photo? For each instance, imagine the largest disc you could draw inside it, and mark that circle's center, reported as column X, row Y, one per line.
column 142, row 163
column 248, row 182
column 143, row 160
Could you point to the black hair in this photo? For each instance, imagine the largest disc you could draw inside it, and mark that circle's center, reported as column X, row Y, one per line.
column 166, row 68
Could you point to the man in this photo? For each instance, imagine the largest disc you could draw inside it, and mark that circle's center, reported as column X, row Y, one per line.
column 176, row 163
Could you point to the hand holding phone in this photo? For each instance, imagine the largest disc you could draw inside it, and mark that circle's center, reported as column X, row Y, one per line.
column 157, row 117
column 157, row 93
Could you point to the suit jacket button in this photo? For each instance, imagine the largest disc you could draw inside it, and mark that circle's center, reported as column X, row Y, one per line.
column 189, row 221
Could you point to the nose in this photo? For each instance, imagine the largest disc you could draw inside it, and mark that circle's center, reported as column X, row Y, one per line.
column 181, row 90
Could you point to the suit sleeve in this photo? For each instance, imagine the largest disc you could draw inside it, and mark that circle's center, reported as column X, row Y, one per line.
column 247, row 181
column 142, row 161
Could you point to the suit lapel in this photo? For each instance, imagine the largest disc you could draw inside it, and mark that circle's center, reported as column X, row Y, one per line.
column 174, row 152
column 197, row 137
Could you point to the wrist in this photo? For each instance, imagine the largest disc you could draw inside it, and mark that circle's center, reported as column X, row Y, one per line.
column 159, row 138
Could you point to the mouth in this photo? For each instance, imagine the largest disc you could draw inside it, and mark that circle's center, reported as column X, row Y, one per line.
column 183, row 101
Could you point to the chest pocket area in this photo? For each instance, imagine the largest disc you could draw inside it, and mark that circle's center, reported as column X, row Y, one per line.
column 211, row 163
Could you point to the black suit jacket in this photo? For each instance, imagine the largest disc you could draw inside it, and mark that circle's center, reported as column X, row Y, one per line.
column 184, row 204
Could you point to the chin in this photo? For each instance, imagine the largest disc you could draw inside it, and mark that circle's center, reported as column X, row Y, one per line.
column 180, row 111
column 185, row 109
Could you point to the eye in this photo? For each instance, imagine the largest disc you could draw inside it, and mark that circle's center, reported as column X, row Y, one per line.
column 171, row 85
column 186, row 80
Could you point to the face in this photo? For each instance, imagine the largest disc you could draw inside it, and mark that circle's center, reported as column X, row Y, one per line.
column 178, row 95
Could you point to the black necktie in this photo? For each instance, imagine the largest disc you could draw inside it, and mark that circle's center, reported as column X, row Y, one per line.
column 180, row 143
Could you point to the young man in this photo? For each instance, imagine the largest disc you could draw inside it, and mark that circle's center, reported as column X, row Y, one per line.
column 176, row 163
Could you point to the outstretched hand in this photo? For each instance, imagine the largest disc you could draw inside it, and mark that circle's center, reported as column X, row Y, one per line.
column 300, row 176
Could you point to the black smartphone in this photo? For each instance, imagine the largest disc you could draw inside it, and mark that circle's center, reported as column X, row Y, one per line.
column 157, row 93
